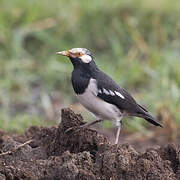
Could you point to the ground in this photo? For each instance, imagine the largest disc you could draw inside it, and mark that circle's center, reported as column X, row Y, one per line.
column 53, row 153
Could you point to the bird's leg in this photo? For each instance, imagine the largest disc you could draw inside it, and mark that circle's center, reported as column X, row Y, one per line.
column 84, row 125
column 91, row 123
column 118, row 124
column 117, row 134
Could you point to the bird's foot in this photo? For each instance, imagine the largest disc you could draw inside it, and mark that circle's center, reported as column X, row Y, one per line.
column 86, row 125
column 76, row 128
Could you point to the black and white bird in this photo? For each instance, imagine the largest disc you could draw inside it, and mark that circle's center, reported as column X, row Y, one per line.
column 98, row 93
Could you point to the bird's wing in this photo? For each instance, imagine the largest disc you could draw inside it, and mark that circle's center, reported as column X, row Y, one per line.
column 110, row 92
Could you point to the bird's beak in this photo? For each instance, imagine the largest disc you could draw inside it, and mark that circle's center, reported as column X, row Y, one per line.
column 64, row 53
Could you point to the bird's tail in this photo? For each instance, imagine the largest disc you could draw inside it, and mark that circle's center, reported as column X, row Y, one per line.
column 143, row 113
column 152, row 120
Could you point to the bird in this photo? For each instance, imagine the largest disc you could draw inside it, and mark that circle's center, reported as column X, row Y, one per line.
column 100, row 94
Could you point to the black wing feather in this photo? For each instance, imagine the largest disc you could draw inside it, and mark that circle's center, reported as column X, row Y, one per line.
column 127, row 104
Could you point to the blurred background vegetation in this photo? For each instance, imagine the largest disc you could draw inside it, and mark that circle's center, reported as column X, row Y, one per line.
column 136, row 42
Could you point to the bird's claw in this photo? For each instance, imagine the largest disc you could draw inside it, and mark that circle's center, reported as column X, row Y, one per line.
column 75, row 128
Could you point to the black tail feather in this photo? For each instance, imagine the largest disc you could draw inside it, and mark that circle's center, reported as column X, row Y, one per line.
column 148, row 118
column 153, row 121
column 144, row 114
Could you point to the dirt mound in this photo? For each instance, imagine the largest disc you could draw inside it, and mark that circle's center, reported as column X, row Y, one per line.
column 50, row 153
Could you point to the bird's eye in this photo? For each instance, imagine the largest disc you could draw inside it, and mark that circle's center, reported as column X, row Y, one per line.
column 78, row 54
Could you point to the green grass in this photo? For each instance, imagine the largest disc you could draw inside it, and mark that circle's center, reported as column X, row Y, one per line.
column 136, row 42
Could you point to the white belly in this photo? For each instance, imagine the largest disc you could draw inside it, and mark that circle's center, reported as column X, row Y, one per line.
column 98, row 107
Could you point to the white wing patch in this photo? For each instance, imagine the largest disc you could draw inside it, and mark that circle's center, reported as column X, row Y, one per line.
column 119, row 94
column 106, row 91
column 99, row 91
column 86, row 58
column 111, row 93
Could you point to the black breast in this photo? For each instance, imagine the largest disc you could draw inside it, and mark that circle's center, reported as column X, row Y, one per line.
column 80, row 81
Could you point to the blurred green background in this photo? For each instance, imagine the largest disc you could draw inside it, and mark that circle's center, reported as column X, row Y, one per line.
column 136, row 42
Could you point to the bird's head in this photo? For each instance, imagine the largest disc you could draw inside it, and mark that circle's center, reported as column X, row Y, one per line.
column 81, row 55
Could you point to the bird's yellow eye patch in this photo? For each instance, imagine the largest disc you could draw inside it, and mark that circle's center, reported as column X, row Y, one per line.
column 78, row 54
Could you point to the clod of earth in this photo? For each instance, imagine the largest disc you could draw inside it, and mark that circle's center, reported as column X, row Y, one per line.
column 50, row 153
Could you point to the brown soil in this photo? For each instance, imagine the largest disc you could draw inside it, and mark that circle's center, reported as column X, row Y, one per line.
column 50, row 153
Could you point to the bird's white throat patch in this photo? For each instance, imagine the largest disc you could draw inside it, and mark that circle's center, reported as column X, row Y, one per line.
column 86, row 58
